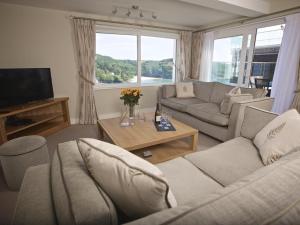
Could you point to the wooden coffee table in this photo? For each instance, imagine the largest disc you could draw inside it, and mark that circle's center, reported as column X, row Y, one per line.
column 144, row 136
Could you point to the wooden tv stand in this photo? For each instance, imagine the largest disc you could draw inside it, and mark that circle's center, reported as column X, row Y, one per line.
column 47, row 116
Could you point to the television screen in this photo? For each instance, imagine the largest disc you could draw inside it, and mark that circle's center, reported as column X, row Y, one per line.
column 18, row 86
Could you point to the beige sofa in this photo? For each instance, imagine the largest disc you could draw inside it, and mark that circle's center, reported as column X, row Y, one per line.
column 227, row 184
column 203, row 111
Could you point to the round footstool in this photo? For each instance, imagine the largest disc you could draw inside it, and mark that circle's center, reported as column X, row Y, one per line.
column 18, row 154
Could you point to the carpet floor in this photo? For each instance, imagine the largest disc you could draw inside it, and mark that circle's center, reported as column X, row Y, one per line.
column 8, row 198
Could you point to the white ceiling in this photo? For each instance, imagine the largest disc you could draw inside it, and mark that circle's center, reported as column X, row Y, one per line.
column 189, row 13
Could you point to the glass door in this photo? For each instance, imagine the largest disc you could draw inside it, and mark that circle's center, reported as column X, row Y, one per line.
column 227, row 59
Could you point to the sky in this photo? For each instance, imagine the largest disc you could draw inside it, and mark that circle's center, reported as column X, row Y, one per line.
column 125, row 47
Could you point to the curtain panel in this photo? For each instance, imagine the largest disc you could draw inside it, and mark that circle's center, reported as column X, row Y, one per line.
column 296, row 100
column 286, row 72
column 185, row 46
column 85, row 44
column 207, row 56
column 197, row 42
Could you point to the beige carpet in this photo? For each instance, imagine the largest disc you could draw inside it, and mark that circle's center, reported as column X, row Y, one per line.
column 8, row 198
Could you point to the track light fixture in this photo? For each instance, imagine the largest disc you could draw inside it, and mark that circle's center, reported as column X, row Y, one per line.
column 128, row 13
column 134, row 11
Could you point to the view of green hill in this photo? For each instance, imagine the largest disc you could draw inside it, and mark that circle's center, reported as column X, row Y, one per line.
column 110, row 70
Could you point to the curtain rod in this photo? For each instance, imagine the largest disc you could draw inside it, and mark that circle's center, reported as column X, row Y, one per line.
column 263, row 18
column 131, row 24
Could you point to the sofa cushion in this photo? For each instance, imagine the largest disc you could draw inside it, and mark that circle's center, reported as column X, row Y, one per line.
column 254, row 120
column 34, row 205
column 180, row 104
column 229, row 161
column 187, row 182
column 229, row 100
column 136, row 186
column 208, row 112
column 77, row 199
column 203, row 90
column 279, row 137
column 185, row 90
column 271, row 195
column 168, row 91
column 219, row 92
column 257, row 93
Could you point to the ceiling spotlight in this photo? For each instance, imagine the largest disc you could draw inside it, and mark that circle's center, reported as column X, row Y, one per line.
column 115, row 11
column 128, row 13
column 154, row 16
column 141, row 14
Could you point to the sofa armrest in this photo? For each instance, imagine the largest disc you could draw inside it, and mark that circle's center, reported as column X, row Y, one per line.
column 34, row 204
column 237, row 113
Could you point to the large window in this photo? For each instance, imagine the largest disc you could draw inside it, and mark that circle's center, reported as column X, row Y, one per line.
column 226, row 59
column 124, row 59
column 244, row 55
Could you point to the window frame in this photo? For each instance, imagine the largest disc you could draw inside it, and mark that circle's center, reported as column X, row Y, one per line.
column 138, row 33
column 245, row 31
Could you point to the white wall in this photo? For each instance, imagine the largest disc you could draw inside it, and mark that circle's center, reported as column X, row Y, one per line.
column 35, row 37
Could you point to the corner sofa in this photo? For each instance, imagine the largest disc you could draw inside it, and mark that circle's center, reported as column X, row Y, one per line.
column 203, row 111
column 227, row 184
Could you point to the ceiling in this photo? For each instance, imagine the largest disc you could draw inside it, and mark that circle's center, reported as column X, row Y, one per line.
column 188, row 13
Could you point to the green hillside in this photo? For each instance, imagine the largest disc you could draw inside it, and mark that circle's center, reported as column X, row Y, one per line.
column 110, row 70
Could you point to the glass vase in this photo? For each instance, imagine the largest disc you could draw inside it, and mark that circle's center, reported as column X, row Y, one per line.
column 131, row 114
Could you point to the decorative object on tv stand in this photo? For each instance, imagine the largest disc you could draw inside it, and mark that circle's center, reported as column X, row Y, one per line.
column 134, row 11
column 131, row 97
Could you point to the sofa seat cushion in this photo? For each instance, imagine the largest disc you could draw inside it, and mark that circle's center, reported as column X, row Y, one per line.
column 187, row 182
column 208, row 112
column 180, row 104
column 270, row 195
column 228, row 162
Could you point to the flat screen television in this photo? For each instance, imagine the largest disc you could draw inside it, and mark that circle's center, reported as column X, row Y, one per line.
column 18, row 86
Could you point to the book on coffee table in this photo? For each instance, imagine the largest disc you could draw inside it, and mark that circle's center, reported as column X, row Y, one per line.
column 164, row 125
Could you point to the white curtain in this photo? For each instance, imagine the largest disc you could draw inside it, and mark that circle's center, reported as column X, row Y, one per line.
column 296, row 101
column 197, row 41
column 206, row 56
column 185, row 46
column 85, row 44
column 286, row 71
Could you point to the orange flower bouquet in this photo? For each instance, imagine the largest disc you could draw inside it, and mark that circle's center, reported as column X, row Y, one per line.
column 131, row 97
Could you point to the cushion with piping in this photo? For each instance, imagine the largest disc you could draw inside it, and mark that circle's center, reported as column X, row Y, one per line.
column 227, row 102
column 136, row 186
column 185, row 90
column 279, row 137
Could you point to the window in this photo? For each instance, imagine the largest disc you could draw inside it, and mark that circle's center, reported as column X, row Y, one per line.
column 242, row 55
column 158, row 60
column 116, row 58
column 135, row 58
column 226, row 59
column 267, row 45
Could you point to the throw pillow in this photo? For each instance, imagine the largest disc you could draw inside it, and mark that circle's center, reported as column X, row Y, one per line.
column 185, row 90
column 279, row 137
column 227, row 102
column 136, row 186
